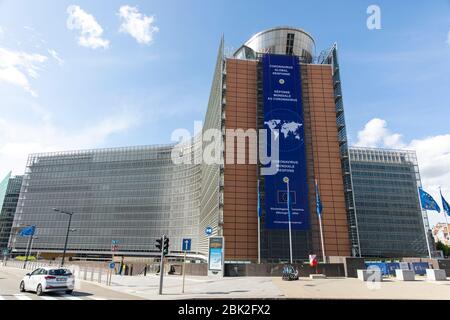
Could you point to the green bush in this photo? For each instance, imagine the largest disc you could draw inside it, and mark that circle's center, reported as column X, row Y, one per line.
column 22, row 258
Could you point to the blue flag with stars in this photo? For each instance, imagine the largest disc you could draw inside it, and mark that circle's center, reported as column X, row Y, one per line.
column 319, row 206
column 27, row 231
column 428, row 203
column 445, row 205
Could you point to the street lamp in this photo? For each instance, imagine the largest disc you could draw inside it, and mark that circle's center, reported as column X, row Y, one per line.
column 70, row 214
column 286, row 180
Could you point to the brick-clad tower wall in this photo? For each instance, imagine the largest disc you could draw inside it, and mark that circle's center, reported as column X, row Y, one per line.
column 240, row 180
column 323, row 159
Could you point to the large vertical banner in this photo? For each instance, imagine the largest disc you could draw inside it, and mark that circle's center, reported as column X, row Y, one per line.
column 283, row 117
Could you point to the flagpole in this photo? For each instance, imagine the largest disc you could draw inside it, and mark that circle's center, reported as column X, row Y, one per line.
column 320, row 226
column 445, row 216
column 424, row 226
column 286, row 179
column 259, row 226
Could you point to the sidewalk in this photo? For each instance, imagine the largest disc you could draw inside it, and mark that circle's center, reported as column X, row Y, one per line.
column 351, row 288
column 197, row 287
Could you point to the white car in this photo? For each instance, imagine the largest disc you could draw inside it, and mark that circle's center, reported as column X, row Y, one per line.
column 48, row 279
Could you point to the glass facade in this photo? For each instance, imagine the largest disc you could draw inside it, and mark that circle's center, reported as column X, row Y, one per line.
column 133, row 195
column 9, row 195
column 331, row 57
column 390, row 221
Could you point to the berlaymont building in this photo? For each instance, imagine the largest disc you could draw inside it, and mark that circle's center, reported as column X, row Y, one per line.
column 274, row 81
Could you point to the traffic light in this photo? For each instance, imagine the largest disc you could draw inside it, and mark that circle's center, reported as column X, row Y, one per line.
column 166, row 245
column 159, row 244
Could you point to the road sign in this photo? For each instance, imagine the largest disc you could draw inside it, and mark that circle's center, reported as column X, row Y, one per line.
column 112, row 265
column 114, row 245
column 187, row 244
column 208, row 231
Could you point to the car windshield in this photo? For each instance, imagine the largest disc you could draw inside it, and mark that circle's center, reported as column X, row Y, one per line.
column 59, row 272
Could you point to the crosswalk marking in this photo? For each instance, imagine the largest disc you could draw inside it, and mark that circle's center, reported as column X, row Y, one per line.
column 48, row 298
column 69, row 297
column 97, row 298
column 22, row 297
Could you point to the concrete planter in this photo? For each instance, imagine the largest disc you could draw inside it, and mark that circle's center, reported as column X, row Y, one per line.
column 405, row 275
column 372, row 275
column 436, row 275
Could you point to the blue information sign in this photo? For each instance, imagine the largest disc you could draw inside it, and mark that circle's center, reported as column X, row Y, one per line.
column 187, row 244
column 112, row 265
column 283, row 119
column 208, row 231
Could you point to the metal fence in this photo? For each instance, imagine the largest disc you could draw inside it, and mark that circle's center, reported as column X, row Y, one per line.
column 93, row 274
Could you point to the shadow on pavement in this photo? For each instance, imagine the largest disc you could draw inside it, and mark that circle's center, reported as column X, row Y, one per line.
column 75, row 294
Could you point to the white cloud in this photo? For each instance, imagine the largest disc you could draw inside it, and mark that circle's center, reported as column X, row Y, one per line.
column 433, row 155
column 90, row 31
column 21, row 137
column 376, row 133
column 56, row 56
column 17, row 68
column 136, row 24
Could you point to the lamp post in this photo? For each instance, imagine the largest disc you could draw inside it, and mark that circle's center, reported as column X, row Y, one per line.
column 70, row 214
column 286, row 180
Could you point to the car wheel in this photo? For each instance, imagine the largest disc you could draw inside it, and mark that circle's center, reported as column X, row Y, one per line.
column 39, row 290
column 69, row 291
column 22, row 286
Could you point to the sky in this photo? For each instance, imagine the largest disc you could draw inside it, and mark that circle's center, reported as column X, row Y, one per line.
column 89, row 74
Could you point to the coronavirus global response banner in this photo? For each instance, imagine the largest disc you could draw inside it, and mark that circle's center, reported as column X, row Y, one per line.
column 283, row 118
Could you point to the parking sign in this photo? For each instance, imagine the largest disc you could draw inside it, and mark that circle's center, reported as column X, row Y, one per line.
column 187, row 244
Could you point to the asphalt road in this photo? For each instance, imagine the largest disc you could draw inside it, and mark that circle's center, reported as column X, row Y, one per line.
column 9, row 290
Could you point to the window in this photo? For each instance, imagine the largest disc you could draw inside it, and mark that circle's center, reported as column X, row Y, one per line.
column 290, row 44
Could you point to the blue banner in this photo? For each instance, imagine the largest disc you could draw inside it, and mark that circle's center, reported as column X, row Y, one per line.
column 380, row 265
column 420, row 268
column 283, row 118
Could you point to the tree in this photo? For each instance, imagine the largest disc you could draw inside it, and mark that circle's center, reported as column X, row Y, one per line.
column 444, row 248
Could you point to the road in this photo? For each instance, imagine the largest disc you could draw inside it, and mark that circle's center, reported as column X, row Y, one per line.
column 10, row 280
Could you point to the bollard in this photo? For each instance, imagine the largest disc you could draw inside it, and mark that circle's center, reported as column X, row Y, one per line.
column 85, row 274
column 92, row 274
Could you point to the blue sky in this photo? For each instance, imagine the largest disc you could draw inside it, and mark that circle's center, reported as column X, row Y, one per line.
column 136, row 91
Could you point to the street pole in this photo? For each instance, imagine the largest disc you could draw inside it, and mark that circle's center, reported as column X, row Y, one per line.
column 28, row 251
column 424, row 226
column 161, row 267
column 259, row 240
column 67, row 238
column 286, row 180
column 321, row 239
column 184, row 271
column 320, row 226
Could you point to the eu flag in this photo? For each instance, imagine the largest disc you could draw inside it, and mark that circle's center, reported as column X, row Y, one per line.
column 319, row 206
column 428, row 203
column 445, row 205
column 27, row 231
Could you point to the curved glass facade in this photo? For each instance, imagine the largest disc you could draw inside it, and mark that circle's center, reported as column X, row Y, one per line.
column 133, row 195
column 281, row 40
